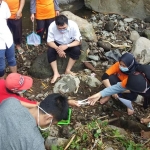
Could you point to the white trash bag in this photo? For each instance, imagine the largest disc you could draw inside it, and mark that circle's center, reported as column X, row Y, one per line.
column 33, row 38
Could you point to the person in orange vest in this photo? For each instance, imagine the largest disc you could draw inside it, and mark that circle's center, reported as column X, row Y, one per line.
column 44, row 11
column 15, row 21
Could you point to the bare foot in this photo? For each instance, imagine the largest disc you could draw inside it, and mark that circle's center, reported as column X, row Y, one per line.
column 145, row 120
column 71, row 73
column 130, row 111
column 145, row 134
column 55, row 77
column 104, row 100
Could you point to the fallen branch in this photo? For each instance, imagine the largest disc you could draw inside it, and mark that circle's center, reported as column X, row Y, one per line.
column 117, row 46
column 70, row 142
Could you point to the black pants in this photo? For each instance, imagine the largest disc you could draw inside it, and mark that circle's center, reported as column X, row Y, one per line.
column 43, row 25
column 113, row 79
column 73, row 52
column 16, row 28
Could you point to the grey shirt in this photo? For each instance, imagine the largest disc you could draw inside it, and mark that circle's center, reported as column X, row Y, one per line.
column 33, row 6
column 18, row 128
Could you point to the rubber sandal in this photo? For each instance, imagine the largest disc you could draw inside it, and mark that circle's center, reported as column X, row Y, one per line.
column 20, row 50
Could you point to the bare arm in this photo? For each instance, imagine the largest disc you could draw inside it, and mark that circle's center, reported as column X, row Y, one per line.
column 19, row 12
column 106, row 83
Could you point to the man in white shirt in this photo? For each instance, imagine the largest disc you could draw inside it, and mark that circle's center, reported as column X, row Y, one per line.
column 6, row 41
column 63, row 38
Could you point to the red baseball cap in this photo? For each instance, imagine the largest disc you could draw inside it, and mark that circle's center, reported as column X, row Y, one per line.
column 16, row 81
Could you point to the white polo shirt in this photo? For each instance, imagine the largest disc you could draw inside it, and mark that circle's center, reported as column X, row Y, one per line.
column 72, row 33
column 5, row 34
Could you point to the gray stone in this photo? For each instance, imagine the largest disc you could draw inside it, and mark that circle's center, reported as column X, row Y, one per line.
column 134, row 8
column 128, row 19
column 105, row 45
column 141, row 50
column 54, row 141
column 92, row 81
column 147, row 34
column 134, row 36
column 109, row 26
column 67, row 84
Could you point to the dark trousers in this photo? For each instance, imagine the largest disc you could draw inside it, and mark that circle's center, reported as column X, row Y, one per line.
column 16, row 28
column 73, row 52
column 113, row 79
column 43, row 25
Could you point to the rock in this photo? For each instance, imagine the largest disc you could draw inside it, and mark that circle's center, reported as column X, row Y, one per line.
column 41, row 68
column 146, row 34
column 109, row 26
column 93, row 57
column 84, row 26
column 105, row 45
column 135, row 8
column 141, row 50
column 84, row 45
column 50, row 141
column 71, row 5
column 134, row 36
column 92, row 81
column 67, row 84
column 109, row 148
column 147, row 19
column 128, row 19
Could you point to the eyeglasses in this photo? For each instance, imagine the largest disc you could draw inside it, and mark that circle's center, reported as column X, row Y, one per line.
column 43, row 129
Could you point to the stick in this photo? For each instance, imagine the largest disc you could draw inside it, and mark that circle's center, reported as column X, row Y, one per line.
column 70, row 142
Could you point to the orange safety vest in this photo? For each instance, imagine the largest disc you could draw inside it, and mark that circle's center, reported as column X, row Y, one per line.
column 45, row 9
column 13, row 6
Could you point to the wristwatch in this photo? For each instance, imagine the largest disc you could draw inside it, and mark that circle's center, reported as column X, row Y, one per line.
column 68, row 45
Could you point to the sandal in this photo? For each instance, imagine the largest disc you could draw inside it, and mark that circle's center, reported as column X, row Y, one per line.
column 20, row 50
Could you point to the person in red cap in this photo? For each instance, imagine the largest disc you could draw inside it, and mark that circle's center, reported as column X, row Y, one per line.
column 15, row 85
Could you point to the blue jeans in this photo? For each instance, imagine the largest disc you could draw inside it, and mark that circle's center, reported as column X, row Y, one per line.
column 9, row 54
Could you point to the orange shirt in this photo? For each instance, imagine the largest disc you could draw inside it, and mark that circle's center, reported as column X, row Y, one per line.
column 45, row 9
column 13, row 6
column 114, row 69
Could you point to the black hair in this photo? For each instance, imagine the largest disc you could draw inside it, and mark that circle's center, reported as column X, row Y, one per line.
column 61, row 20
column 56, row 105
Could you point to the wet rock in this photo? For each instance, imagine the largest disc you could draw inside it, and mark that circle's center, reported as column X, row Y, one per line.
column 134, row 36
column 109, row 26
column 105, row 45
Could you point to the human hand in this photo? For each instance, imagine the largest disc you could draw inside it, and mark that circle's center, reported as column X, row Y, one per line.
column 18, row 15
column 94, row 98
column 115, row 96
column 32, row 17
column 73, row 103
column 63, row 47
column 57, row 12
column 62, row 54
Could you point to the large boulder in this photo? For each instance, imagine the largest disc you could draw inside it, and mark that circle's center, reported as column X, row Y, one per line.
column 71, row 5
column 141, row 50
column 85, row 27
column 41, row 68
column 134, row 8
